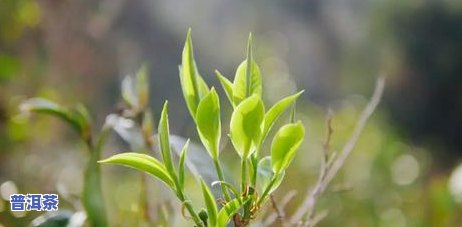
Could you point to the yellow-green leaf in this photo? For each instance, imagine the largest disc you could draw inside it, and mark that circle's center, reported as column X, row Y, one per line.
column 164, row 140
column 245, row 126
column 144, row 163
column 209, row 200
column 192, row 85
column 228, row 210
column 181, row 164
column 247, row 80
column 276, row 110
column 227, row 86
column 285, row 145
column 208, row 122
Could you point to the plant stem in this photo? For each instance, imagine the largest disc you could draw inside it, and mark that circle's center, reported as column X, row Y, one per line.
column 266, row 192
column 254, row 160
column 188, row 205
column 92, row 195
column 221, row 177
column 243, row 174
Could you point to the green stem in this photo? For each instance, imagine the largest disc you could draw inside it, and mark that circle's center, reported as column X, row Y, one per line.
column 144, row 205
column 254, row 160
column 188, row 205
column 243, row 174
column 92, row 194
column 266, row 192
column 221, row 177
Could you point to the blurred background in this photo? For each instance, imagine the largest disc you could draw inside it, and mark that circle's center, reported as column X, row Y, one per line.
column 405, row 171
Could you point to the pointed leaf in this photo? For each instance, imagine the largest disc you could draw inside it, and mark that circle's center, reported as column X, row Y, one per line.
column 245, row 127
column 198, row 161
column 181, row 165
column 209, row 202
column 164, row 140
column 285, row 145
column 240, row 85
column 142, row 162
column 208, row 122
column 203, row 88
column 276, row 110
column 247, row 80
column 227, row 86
column 192, row 85
column 230, row 208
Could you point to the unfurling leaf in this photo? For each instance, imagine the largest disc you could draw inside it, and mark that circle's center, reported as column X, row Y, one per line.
column 209, row 200
column 245, row 127
column 182, row 163
column 285, row 145
column 208, row 122
column 164, row 140
column 192, row 85
column 247, row 81
column 276, row 110
column 142, row 162
column 227, row 86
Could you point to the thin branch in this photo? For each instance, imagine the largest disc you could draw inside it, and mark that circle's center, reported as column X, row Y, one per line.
column 316, row 219
column 307, row 207
column 279, row 213
column 274, row 216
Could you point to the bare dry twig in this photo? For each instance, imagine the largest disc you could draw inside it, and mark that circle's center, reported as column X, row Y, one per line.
column 329, row 168
column 274, row 216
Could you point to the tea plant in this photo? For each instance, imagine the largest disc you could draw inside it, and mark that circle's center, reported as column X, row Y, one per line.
column 249, row 127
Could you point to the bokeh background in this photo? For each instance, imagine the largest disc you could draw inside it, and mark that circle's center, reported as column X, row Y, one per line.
column 405, row 171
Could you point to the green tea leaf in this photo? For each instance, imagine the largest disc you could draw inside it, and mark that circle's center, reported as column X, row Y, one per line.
column 203, row 88
column 41, row 105
column 265, row 175
column 192, row 85
column 247, row 80
column 229, row 209
column 164, row 140
column 208, row 122
column 144, row 163
column 182, row 163
column 240, row 82
column 209, row 202
column 276, row 110
column 227, row 86
column 285, row 145
column 245, row 126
